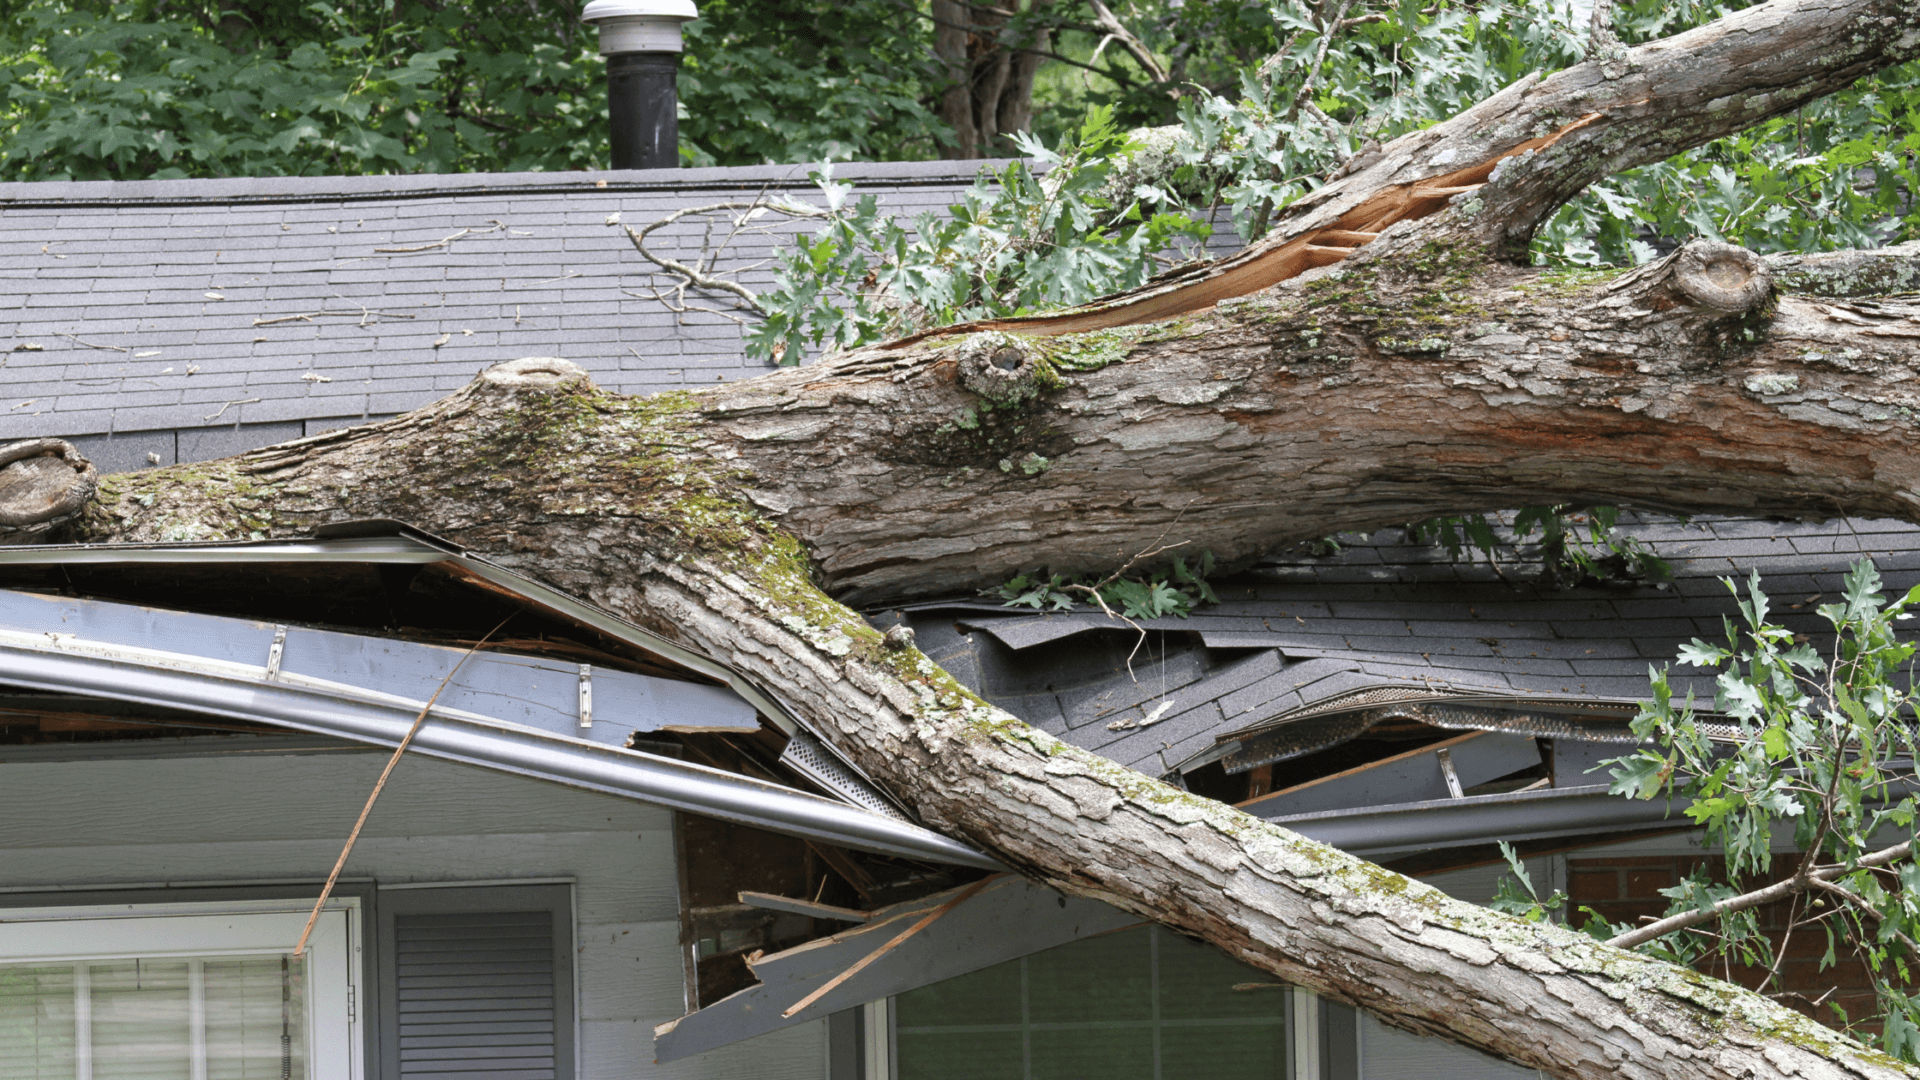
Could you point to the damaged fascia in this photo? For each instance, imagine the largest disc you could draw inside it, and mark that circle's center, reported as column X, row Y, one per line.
column 864, row 818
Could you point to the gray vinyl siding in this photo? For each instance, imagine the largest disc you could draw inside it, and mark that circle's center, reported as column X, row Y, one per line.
column 281, row 817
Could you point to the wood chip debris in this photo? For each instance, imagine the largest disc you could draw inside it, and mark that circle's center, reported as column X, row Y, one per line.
column 1159, row 713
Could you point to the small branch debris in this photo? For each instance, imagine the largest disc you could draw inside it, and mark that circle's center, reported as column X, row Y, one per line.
column 367, row 316
column 493, row 225
column 216, row 414
column 91, row 345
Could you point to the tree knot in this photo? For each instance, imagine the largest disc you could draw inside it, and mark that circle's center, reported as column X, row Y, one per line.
column 1003, row 369
column 899, row 638
column 535, row 373
column 42, row 483
column 1722, row 277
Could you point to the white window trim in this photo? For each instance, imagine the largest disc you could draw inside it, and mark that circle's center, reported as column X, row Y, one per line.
column 239, row 928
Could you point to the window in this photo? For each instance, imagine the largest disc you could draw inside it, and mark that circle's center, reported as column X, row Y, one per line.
column 1141, row 1004
column 187, row 991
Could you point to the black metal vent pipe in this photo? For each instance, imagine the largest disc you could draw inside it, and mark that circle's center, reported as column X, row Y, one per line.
column 641, row 41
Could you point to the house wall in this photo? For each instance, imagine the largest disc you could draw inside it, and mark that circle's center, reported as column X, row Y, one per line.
column 276, row 817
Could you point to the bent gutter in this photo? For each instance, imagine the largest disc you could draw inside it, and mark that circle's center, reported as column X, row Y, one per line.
column 1481, row 819
column 383, row 541
column 245, row 692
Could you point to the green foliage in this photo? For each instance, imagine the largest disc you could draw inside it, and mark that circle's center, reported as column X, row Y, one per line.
column 1838, row 174
column 1021, row 241
column 769, row 81
column 145, row 89
column 1516, row 895
column 1819, row 746
column 1576, row 542
column 1175, row 589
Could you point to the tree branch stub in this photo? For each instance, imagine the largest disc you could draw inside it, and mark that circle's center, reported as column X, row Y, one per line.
column 42, row 483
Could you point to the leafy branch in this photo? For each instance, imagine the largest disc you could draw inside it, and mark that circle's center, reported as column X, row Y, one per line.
column 1821, row 746
column 1174, row 589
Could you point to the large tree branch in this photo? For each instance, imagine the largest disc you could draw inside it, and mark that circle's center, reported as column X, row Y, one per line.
column 1512, row 160
column 533, row 465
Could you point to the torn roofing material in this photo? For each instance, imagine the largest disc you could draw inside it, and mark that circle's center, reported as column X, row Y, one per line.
column 1009, row 917
column 1385, row 621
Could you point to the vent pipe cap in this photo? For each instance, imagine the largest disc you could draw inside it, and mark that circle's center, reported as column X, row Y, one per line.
column 629, row 26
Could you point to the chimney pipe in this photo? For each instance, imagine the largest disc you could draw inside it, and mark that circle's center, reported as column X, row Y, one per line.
column 641, row 41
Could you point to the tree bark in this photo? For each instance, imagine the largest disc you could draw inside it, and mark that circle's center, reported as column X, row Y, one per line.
column 990, row 62
column 1376, row 360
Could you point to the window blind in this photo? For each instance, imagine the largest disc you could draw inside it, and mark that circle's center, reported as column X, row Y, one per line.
column 171, row 1018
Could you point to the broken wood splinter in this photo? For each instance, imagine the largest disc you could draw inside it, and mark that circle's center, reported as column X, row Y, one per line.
column 883, row 950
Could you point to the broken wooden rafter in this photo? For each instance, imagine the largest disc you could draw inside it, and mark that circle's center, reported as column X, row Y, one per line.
column 810, row 908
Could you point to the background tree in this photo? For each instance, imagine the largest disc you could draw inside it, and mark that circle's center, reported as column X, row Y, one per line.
column 146, row 89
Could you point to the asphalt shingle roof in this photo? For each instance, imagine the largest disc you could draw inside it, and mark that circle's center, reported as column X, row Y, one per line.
column 192, row 319
column 1297, row 635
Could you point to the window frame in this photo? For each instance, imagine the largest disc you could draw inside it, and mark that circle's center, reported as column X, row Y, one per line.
column 69, row 932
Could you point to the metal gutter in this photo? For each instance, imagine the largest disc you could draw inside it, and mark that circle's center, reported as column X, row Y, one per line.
column 57, row 662
column 397, row 543
column 1482, row 819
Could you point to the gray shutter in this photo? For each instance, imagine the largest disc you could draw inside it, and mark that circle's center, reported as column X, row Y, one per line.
column 478, row 987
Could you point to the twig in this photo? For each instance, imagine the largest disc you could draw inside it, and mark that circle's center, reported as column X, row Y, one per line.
column 494, row 225
column 891, row 945
column 548, row 281
column 381, row 783
column 1858, row 901
column 1116, row 30
column 1094, row 590
column 91, row 345
column 1777, row 891
column 694, row 275
column 308, row 316
column 227, row 405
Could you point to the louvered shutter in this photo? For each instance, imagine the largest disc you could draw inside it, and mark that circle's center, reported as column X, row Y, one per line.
column 479, row 986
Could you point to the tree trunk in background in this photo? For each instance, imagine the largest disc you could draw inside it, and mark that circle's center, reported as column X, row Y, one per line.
column 990, row 62
column 1379, row 357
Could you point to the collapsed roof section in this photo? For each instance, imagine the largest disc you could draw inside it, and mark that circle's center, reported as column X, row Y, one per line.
column 1391, row 674
column 579, row 698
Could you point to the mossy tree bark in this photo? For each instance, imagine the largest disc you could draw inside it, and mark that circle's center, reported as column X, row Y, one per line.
column 1378, row 359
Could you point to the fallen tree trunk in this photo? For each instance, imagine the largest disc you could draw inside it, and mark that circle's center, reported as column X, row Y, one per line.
column 1376, row 360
